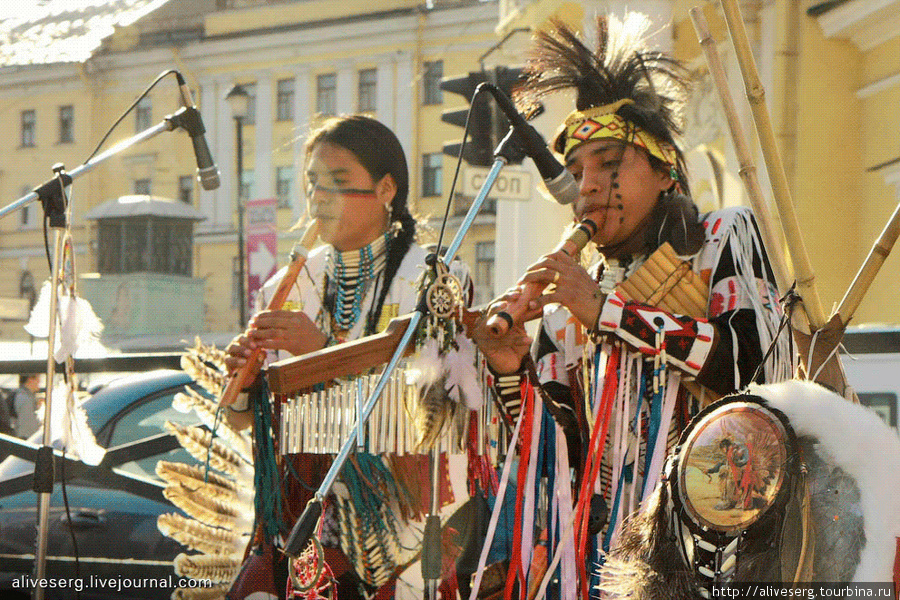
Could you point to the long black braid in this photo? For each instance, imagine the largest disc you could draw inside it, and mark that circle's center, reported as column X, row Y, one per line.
column 379, row 151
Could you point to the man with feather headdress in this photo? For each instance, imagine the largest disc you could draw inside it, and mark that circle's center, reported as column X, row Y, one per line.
column 622, row 371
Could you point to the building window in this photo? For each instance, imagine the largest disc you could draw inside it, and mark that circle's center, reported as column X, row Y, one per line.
column 145, row 244
column 29, row 124
column 66, row 124
column 143, row 114
column 368, row 90
column 284, row 186
column 285, row 108
column 141, row 187
column 431, row 174
column 484, row 272
column 431, row 82
column 250, row 88
column 326, row 94
column 186, row 189
column 247, row 180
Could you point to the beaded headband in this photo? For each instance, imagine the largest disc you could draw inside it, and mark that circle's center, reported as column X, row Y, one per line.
column 602, row 122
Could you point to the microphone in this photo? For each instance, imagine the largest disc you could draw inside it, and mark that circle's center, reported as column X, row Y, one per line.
column 207, row 172
column 557, row 179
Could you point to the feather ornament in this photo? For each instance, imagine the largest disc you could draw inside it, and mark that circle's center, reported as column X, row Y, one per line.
column 200, row 444
column 219, row 569
column 68, row 423
column 212, row 593
column 621, row 68
column 448, row 385
column 176, row 472
column 77, row 325
column 220, row 507
column 206, row 365
column 432, row 405
column 195, row 477
column 199, row 536
column 209, row 510
column 206, row 409
column 462, row 376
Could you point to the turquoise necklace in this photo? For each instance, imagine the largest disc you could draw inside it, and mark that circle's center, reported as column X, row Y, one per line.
column 349, row 275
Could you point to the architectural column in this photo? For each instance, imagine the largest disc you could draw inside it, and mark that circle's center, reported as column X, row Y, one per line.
column 219, row 205
column 385, row 93
column 217, row 123
column 346, row 89
column 406, row 106
column 302, row 114
column 262, row 169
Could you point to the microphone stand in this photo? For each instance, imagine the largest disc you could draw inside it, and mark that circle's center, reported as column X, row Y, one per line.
column 431, row 551
column 54, row 201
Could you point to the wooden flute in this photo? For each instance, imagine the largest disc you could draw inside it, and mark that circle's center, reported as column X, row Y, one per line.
column 499, row 323
column 299, row 254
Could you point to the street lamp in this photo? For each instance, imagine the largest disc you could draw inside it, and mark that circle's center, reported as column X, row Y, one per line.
column 239, row 101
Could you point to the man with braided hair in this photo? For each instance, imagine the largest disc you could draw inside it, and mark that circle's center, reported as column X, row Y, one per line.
column 619, row 374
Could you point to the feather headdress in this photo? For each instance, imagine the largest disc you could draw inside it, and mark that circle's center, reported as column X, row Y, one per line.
column 645, row 87
column 624, row 91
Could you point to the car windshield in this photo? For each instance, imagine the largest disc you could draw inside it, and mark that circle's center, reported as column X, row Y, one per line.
column 125, row 411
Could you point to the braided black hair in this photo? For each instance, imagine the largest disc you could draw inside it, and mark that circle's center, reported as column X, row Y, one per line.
column 380, row 153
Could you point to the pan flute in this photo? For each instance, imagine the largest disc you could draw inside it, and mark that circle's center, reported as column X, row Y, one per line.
column 668, row 282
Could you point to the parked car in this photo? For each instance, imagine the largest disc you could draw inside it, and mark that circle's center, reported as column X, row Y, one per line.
column 113, row 507
column 872, row 365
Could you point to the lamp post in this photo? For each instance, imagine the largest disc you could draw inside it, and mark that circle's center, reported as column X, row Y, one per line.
column 239, row 100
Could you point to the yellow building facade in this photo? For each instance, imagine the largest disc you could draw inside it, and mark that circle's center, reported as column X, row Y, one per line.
column 830, row 72
column 832, row 81
column 299, row 60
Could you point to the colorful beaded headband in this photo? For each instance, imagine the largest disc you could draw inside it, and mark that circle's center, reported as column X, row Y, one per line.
column 601, row 122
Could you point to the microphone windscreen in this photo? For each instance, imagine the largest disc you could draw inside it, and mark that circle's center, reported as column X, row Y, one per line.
column 563, row 187
column 209, row 178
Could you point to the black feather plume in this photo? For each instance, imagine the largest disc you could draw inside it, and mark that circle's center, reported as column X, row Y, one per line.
column 621, row 68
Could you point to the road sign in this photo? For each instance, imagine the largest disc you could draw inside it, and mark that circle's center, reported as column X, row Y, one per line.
column 262, row 243
column 511, row 184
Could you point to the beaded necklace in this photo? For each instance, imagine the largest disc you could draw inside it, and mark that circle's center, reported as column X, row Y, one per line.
column 348, row 276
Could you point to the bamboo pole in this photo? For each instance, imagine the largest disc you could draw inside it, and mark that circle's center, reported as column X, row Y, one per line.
column 781, row 192
column 869, row 268
column 771, row 239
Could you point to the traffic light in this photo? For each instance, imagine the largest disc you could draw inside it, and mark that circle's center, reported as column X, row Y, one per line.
column 479, row 145
column 487, row 124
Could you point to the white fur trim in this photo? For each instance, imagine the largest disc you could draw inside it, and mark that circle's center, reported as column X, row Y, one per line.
column 855, row 439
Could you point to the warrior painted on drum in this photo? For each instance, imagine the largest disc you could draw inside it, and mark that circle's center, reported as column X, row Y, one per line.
column 619, row 374
column 364, row 275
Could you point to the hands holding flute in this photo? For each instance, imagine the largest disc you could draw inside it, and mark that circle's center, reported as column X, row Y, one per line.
column 502, row 339
column 272, row 329
column 288, row 330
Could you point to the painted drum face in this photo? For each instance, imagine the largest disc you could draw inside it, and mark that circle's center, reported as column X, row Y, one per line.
column 732, row 466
